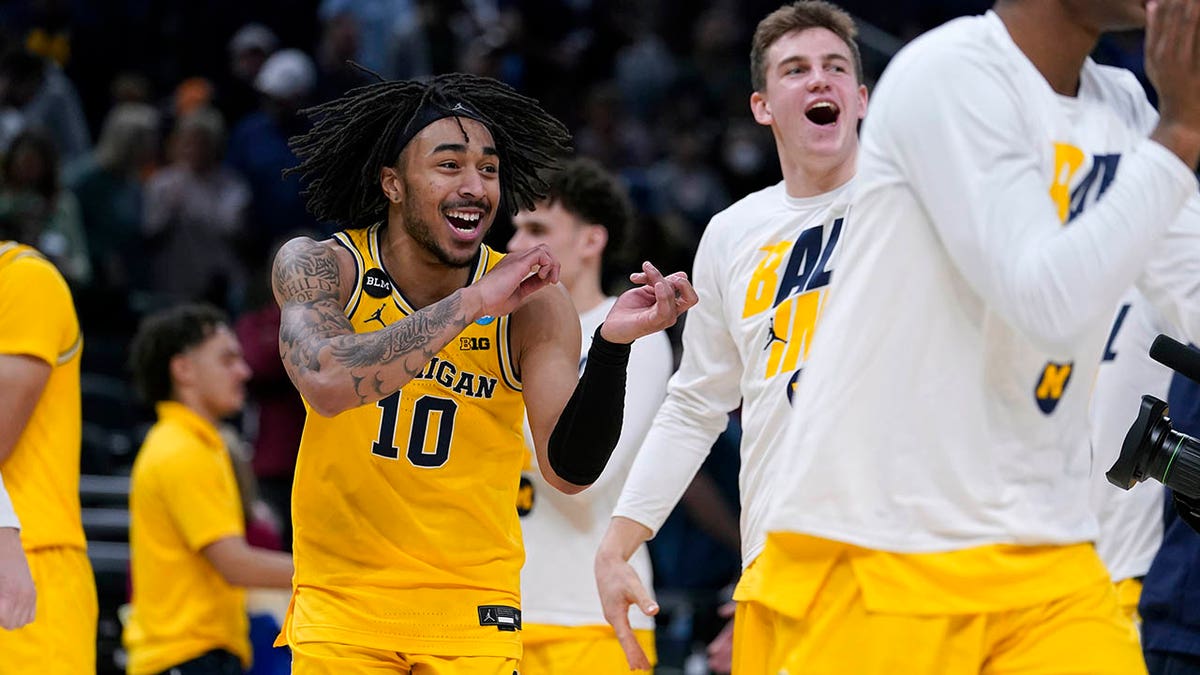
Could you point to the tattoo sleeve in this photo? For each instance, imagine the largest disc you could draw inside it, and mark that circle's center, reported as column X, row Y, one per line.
column 318, row 343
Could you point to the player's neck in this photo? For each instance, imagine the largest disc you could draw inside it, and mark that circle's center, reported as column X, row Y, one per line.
column 192, row 401
column 1053, row 41
column 417, row 273
column 809, row 176
column 586, row 293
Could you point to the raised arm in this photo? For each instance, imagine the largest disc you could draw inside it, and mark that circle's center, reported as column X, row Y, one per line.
column 576, row 424
column 336, row 369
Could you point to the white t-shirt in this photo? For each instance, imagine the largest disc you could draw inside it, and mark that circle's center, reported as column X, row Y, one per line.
column 947, row 402
column 762, row 272
column 1131, row 522
column 562, row 532
column 8, row 516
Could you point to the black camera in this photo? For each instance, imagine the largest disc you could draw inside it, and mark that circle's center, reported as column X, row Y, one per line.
column 1152, row 449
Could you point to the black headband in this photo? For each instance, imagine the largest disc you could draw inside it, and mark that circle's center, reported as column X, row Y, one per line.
column 427, row 114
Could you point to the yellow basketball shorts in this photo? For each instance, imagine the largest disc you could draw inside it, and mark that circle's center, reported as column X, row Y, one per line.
column 1129, row 592
column 329, row 658
column 584, row 649
column 62, row 638
column 1084, row 633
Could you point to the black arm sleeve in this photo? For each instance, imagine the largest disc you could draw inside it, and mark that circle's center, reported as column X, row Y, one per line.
column 588, row 428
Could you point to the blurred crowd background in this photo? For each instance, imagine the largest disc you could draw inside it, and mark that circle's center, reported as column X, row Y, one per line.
column 144, row 140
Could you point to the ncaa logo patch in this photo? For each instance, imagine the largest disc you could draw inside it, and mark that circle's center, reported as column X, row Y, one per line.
column 485, row 320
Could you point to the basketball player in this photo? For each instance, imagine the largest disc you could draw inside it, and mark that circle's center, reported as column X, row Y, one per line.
column 585, row 214
column 763, row 268
column 418, row 350
column 938, row 520
column 40, row 431
column 187, row 534
column 18, row 597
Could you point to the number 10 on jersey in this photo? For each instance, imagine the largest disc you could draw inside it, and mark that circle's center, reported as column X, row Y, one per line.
column 425, row 408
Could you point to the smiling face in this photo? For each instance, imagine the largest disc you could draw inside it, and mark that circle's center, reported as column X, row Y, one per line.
column 447, row 188
column 812, row 98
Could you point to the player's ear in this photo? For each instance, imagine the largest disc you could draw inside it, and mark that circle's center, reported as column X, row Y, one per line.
column 391, row 184
column 761, row 109
column 182, row 370
column 595, row 238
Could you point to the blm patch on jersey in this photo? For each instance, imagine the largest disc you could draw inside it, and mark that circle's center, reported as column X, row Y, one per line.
column 502, row 617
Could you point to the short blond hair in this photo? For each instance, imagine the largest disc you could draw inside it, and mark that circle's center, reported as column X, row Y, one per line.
column 800, row 16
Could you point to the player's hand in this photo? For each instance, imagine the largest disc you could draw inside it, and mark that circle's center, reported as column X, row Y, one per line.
column 1173, row 65
column 720, row 650
column 649, row 308
column 18, row 598
column 513, row 279
column 619, row 588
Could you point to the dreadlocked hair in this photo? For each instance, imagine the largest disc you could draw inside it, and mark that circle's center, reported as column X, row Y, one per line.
column 354, row 137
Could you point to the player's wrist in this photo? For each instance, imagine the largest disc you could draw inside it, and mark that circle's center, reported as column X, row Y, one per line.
column 471, row 303
column 1181, row 139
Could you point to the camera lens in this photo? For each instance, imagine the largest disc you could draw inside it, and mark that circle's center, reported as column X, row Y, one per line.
column 1152, row 449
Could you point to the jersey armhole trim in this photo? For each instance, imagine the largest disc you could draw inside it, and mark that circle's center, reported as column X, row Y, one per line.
column 355, row 295
column 508, row 368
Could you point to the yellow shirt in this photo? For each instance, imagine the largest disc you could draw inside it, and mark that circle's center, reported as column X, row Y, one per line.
column 791, row 569
column 183, row 497
column 37, row 318
column 406, row 538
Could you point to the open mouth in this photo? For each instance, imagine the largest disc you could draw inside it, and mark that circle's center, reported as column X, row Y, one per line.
column 823, row 113
column 465, row 221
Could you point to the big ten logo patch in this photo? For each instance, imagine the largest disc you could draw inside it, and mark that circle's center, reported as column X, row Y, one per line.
column 472, row 344
column 790, row 282
column 525, row 497
column 1052, row 384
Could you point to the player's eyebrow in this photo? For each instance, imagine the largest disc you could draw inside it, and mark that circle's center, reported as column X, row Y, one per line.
column 459, row 147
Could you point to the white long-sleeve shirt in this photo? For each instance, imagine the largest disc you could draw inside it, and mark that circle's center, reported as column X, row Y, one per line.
column 8, row 515
column 562, row 532
column 1131, row 527
column 762, row 271
column 946, row 404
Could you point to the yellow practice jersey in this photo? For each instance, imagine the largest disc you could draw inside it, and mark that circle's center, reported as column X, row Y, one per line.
column 406, row 538
column 37, row 319
column 183, row 498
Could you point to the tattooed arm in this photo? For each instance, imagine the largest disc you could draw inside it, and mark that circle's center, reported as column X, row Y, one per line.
column 336, row 369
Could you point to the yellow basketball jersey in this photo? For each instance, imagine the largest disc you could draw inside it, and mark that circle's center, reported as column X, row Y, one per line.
column 406, row 538
column 37, row 318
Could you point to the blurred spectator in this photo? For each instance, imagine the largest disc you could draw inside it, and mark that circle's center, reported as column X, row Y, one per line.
column 645, row 68
column 391, row 34
column 686, row 181
column 258, row 147
column 109, row 188
column 191, row 95
column 274, row 416
column 609, row 135
column 194, row 216
column 129, row 87
column 249, row 49
column 49, row 34
column 339, row 44
column 30, row 191
column 34, row 93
